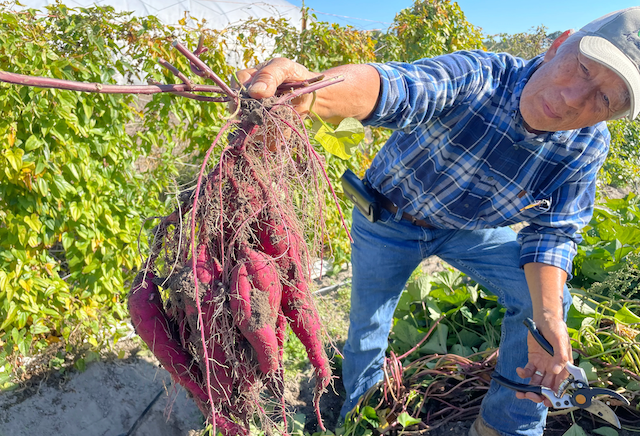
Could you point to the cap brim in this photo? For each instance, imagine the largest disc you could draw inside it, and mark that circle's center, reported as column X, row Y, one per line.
column 604, row 52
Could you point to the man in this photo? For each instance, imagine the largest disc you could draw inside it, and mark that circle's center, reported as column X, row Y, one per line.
column 482, row 141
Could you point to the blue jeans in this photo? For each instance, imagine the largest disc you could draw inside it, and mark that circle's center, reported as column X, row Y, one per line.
column 383, row 256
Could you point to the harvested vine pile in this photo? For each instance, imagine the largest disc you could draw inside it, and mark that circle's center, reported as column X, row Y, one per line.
column 229, row 269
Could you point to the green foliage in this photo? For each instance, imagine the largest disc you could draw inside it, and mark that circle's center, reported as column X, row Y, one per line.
column 321, row 45
column 622, row 167
column 622, row 284
column 526, row 45
column 471, row 323
column 80, row 172
column 607, row 333
column 341, row 141
column 318, row 46
column 428, row 28
column 611, row 235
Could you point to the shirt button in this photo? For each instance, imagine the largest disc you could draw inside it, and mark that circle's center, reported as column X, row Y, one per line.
column 490, row 178
column 466, row 205
column 515, row 146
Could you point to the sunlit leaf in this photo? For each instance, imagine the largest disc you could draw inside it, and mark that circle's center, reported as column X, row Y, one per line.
column 343, row 140
column 627, row 316
column 406, row 420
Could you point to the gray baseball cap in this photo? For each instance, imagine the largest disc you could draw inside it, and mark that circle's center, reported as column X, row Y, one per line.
column 614, row 41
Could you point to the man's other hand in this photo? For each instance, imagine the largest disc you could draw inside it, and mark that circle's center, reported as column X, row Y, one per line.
column 540, row 362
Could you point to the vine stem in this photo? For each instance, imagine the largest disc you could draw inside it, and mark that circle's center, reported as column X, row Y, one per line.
column 72, row 85
column 308, row 89
column 423, row 339
column 194, row 59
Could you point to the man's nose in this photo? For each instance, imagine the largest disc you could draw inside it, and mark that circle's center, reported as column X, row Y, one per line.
column 576, row 95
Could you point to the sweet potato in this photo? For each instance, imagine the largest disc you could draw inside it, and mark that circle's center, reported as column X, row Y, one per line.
column 255, row 298
column 154, row 328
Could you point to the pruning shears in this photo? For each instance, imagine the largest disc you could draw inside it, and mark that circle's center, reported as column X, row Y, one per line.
column 574, row 391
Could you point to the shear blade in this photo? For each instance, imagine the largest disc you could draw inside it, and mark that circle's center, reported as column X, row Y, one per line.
column 600, row 409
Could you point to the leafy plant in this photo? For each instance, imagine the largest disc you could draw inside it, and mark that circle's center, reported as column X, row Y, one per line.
column 611, row 235
column 472, row 318
column 428, row 28
column 81, row 173
column 622, row 167
column 526, row 45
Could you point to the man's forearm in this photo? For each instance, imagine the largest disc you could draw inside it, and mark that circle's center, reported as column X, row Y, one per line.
column 354, row 97
column 546, row 285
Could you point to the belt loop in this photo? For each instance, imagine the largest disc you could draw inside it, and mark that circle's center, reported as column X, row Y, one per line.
column 398, row 215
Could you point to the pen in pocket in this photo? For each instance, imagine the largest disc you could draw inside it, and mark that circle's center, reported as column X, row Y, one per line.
column 544, row 203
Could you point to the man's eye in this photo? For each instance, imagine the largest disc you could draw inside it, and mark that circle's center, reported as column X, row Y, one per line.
column 585, row 70
column 606, row 99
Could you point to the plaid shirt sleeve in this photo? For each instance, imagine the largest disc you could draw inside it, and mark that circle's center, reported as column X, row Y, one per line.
column 551, row 237
column 413, row 93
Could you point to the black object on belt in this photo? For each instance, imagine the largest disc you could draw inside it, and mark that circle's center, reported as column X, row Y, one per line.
column 388, row 205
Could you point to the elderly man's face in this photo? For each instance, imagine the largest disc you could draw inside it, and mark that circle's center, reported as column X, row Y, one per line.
column 570, row 91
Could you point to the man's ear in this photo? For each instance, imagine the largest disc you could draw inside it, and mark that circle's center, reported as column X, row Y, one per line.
column 555, row 45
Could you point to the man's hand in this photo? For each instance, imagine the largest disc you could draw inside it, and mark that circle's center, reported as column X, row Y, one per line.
column 552, row 368
column 546, row 285
column 356, row 96
column 263, row 80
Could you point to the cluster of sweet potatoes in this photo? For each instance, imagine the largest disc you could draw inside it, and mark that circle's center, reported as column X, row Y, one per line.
column 233, row 266
column 228, row 270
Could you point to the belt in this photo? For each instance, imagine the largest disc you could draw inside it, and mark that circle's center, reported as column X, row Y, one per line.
column 388, row 205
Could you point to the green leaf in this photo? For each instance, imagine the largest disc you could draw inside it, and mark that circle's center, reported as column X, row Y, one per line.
column 406, row 332
column 296, row 425
column 80, row 365
column 456, row 297
column 33, row 222
column 575, row 430
column 38, row 328
column 22, row 319
column 437, row 343
column 469, row 338
column 369, row 415
column 3, row 281
column 582, row 305
column 14, row 157
column 605, row 431
column 32, row 143
column 343, row 140
column 625, row 316
column 633, row 385
column 589, row 370
column 419, row 289
column 67, row 240
column 461, row 350
column 75, row 211
column 43, row 187
column 88, row 109
column 406, row 420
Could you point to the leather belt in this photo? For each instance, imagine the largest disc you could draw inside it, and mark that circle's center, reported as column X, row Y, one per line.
column 388, row 205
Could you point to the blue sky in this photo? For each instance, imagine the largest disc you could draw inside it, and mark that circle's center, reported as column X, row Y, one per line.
column 493, row 16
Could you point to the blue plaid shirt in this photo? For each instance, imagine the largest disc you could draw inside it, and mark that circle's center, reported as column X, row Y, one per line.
column 460, row 157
